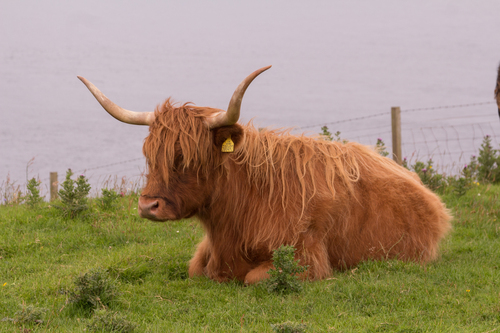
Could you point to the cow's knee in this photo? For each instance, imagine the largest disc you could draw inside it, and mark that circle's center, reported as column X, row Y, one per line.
column 259, row 273
column 315, row 256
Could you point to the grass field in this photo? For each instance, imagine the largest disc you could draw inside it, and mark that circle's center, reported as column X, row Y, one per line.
column 42, row 253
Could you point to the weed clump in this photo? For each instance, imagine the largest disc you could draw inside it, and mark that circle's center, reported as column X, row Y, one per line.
column 429, row 176
column 289, row 327
column 10, row 192
column 73, row 195
column 283, row 278
column 28, row 315
column 109, row 199
column 106, row 321
column 93, row 290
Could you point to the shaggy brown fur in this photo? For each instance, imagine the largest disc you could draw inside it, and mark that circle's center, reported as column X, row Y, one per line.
column 338, row 204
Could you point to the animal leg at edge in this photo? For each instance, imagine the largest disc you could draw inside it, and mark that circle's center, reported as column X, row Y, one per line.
column 199, row 261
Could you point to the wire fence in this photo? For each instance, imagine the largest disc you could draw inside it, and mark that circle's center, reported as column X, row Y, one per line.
column 449, row 142
column 446, row 145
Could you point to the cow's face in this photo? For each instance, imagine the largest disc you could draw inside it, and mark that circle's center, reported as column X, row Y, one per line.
column 179, row 186
column 185, row 194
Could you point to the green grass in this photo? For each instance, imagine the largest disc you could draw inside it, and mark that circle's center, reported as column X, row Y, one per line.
column 42, row 253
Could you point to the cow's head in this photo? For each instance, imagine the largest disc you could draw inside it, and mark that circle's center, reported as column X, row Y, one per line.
column 184, row 144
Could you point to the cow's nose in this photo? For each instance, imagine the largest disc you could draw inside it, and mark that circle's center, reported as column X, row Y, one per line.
column 148, row 208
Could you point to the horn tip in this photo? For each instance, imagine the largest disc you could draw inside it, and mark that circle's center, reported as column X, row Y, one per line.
column 81, row 78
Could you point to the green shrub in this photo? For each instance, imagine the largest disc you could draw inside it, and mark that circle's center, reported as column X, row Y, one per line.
column 463, row 182
column 488, row 166
column 106, row 321
column 73, row 195
column 93, row 290
column 32, row 197
column 283, row 277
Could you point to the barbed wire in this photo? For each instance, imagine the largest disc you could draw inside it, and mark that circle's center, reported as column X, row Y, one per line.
column 111, row 164
column 417, row 138
column 345, row 120
column 447, row 107
column 331, row 123
column 402, row 110
column 80, row 171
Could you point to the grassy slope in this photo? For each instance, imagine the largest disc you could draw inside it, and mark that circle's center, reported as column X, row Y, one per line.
column 41, row 254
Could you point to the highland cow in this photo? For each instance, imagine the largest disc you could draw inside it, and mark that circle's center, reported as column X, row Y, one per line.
column 254, row 191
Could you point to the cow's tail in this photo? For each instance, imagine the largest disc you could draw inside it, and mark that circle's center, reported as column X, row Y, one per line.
column 497, row 91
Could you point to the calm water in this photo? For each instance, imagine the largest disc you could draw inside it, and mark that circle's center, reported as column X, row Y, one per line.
column 333, row 60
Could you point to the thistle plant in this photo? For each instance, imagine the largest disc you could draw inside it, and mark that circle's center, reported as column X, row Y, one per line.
column 381, row 148
column 283, row 277
column 429, row 176
column 73, row 195
column 405, row 164
column 328, row 136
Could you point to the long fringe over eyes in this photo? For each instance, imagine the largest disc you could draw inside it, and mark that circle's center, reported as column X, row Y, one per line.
column 184, row 125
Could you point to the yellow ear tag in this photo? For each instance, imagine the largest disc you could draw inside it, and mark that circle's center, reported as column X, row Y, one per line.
column 228, row 146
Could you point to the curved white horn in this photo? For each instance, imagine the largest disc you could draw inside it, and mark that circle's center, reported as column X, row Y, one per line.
column 231, row 116
column 126, row 116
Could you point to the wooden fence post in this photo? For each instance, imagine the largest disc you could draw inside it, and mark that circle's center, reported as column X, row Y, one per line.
column 396, row 134
column 53, row 186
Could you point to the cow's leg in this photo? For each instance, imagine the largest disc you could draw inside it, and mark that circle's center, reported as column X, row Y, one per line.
column 314, row 255
column 200, row 259
column 259, row 273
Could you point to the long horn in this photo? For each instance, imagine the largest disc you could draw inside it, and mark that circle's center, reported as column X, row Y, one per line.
column 126, row 116
column 231, row 116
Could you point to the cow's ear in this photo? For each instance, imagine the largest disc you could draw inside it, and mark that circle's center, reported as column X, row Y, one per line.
column 228, row 138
